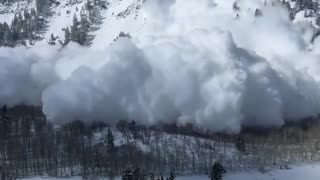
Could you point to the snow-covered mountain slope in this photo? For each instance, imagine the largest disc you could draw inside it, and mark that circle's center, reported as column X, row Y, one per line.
column 117, row 16
column 122, row 16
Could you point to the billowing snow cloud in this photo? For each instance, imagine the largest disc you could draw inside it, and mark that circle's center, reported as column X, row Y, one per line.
column 195, row 61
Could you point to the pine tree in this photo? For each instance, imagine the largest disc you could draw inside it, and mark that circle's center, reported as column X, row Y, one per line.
column 241, row 145
column 110, row 139
column 20, row 18
column 67, row 36
column 217, row 171
column 133, row 129
column 1, row 34
column 83, row 31
column 95, row 16
column 4, row 123
column 15, row 29
column 74, row 29
column 33, row 24
column 26, row 14
column 33, row 12
column 7, row 38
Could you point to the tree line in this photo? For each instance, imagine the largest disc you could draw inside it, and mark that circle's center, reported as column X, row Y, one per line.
column 24, row 27
column 30, row 145
column 30, row 25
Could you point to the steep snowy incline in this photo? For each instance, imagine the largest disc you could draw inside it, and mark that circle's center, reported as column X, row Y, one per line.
column 117, row 16
column 114, row 16
column 122, row 16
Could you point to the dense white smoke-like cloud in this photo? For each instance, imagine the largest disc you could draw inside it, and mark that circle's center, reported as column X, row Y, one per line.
column 195, row 62
column 23, row 77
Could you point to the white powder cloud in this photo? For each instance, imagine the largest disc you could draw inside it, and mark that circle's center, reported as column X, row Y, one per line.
column 194, row 62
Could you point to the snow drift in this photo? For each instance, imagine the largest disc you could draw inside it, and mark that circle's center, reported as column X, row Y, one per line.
column 195, row 61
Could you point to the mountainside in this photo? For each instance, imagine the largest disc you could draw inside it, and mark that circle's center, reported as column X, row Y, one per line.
column 101, row 20
column 175, row 87
column 104, row 20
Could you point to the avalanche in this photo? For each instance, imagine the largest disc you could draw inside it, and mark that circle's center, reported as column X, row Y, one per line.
column 198, row 61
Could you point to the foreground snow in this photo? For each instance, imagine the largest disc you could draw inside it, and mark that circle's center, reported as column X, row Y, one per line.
column 307, row 172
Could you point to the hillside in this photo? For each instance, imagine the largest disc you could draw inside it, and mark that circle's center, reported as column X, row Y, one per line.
column 97, row 88
column 108, row 18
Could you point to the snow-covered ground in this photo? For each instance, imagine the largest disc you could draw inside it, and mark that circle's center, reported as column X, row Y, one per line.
column 303, row 172
column 306, row 172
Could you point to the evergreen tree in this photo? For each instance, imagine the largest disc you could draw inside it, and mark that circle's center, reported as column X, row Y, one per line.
column 133, row 129
column 33, row 24
column 15, row 29
column 7, row 38
column 83, row 31
column 67, row 36
column 33, row 12
column 20, row 18
column 1, row 34
column 26, row 14
column 4, row 123
column 241, row 145
column 75, row 29
column 110, row 139
column 217, row 171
